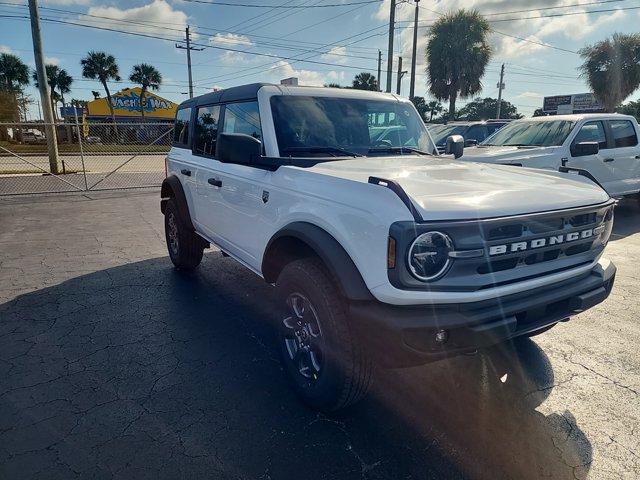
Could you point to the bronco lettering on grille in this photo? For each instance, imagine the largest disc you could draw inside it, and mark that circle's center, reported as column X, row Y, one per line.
column 546, row 241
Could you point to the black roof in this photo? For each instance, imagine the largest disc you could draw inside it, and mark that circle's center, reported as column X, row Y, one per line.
column 233, row 94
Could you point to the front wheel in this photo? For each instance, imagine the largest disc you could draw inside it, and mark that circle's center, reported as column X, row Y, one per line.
column 323, row 359
column 185, row 247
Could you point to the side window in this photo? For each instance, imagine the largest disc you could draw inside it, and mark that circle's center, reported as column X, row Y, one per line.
column 592, row 132
column 476, row 132
column 206, row 131
column 624, row 135
column 181, row 127
column 242, row 118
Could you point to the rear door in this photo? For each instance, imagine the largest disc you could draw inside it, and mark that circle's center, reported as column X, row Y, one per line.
column 206, row 196
column 624, row 157
column 179, row 160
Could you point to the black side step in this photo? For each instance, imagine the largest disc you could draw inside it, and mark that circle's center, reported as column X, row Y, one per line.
column 399, row 191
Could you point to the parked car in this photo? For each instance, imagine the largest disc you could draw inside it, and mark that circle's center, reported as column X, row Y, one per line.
column 92, row 139
column 381, row 252
column 604, row 145
column 33, row 137
column 472, row 132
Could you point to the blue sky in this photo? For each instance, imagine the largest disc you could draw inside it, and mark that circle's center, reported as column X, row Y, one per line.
column 336, row 42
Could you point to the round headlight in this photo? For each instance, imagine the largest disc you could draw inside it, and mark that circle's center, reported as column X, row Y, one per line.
column 608, row 227
column 429, row 255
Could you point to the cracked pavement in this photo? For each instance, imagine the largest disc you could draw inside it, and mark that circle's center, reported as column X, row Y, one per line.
column 114, row 365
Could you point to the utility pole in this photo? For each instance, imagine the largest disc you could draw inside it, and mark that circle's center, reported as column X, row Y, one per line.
column 500, row 87
column 188, row 48
column 412, row 85
column 400, row 75
column 392, row 23
column 379, row 69
column 43, row 86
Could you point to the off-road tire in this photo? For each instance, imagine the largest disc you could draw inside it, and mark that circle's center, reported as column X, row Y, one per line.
column 185, row 247
column 346, row 372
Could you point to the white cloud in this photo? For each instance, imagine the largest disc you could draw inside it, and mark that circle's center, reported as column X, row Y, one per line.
column 230, row 39
column 529, row 95
column 335, row 55
column 5, row 49
column 284, row 69
column 147, row 19
column 51, row 60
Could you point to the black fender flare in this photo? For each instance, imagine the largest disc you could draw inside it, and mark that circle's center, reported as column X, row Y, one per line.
column 172, row 188
column 330, row 251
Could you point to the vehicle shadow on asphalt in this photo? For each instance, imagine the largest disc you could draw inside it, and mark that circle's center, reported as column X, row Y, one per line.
column 141, row 371
column 626, row 218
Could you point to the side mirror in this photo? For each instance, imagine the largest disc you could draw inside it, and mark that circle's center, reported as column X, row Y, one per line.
column 471, row 142
column 454, row 146
column 582, row 149
column 238, row 148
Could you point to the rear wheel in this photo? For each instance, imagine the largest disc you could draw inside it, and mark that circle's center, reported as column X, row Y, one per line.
column 185, row 247
column 322, row 357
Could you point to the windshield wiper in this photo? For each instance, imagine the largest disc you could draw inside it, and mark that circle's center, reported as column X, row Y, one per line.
column 397, row 150
column 333, row 151
column 519, row 145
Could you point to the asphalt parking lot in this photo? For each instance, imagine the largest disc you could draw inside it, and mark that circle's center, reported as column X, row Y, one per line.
column 114, row 365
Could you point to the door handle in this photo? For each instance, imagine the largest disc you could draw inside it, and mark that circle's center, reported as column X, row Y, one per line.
column 215, row 182
column 608, row 160
column 186, row 172
column 637, row 157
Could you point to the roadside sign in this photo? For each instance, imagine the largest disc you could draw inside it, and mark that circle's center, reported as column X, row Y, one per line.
column 576, row 103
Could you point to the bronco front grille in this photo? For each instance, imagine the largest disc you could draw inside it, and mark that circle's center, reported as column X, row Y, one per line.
column 510, row 249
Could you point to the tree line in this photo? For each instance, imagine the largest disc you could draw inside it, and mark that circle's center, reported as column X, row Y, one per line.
column 458, row 52
column 101, row 66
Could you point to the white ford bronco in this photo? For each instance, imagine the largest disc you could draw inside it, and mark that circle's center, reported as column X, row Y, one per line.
column 382, row 251
column 604, row 146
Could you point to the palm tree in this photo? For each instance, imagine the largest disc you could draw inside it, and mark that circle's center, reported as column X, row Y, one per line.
column 457, row 54
column 59, row 82
column 434, row 108
column 148, row 77
column 365, row 81
column 14, row 74
column 102, row 67
column 612, row 68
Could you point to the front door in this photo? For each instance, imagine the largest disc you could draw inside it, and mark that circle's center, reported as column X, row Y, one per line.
column 598, row 165
column 238, row 209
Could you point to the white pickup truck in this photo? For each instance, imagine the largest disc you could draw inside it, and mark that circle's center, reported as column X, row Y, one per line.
column 603, row 146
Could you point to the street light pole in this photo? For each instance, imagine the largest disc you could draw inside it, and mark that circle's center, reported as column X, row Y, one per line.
column 412, row 85
column 379, row 69
column 188, row 48
column 392, row 22
column 43, row 87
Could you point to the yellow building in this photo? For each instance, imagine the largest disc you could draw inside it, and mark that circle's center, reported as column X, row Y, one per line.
column 126, row 106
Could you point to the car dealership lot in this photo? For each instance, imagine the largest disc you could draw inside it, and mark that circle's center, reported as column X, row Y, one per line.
column 112, row 364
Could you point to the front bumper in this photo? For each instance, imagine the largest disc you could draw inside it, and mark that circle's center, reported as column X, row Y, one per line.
column 405, row 335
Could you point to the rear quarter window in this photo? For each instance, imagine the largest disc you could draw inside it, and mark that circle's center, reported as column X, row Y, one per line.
column 181, row 128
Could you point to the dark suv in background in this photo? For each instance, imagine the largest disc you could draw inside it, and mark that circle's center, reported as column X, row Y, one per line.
column 472, row 132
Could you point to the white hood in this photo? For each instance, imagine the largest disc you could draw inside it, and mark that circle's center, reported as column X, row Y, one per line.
column 499, row 154
column 447, row 189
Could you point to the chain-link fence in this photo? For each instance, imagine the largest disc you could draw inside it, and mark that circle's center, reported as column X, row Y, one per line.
column 91, row 156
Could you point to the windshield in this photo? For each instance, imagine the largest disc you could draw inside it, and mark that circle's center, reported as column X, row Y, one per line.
column 440, row 135
column 531, row 134
column 317, row 126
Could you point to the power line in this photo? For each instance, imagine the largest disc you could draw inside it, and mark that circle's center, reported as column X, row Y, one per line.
column 253, row 5
column 565, row 14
